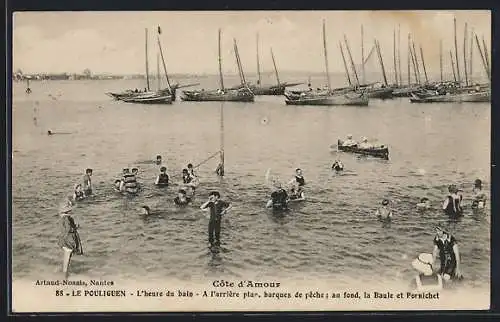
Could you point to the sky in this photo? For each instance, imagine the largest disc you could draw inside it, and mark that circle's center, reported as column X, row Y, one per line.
column 114, row 42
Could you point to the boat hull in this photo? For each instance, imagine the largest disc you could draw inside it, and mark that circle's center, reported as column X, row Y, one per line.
column 480, row 97
column 327, row 100
column 152, row 99
column 213, row 96
column 382, row 93
column 382, row 152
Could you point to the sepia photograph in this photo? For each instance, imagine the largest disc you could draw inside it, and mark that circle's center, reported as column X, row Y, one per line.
column 199, row 161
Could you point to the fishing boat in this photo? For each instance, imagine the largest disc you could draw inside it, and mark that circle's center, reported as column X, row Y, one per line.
column 259, row 89
column 149, row 98
column 469, row 97
column 327, row 96
column 243, row 94
column 378, row 152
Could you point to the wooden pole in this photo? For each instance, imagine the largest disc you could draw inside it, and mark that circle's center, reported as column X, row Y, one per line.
column 221, row 78
column 423, row 64
column 351, row 60
column 147, row 63
column 456, row 49
column 465, row 56
column 221, row 170
column 158, row 71
column 258, row 62
column 453, row 66
column 345, row 64
column 326, row 57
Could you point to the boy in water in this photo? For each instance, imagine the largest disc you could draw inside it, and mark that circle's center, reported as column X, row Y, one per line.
column 479, row 196
column 87, row 182
column 217, row 208
column 162, row 179
column 182, row 199
column 452, row 205
column 384, row 212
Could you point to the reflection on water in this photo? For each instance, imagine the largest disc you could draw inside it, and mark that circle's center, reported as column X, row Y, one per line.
column 332, row 234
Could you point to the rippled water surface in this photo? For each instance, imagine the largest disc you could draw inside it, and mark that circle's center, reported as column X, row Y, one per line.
column 331, row 234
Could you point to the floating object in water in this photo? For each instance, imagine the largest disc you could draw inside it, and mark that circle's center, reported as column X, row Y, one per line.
column 264, row 121
column 379, row 152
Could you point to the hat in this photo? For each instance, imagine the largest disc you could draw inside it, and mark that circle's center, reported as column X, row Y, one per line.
column 423, row 263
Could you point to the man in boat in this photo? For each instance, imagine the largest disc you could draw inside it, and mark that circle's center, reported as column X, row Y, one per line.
column 349, row 141
column 217, row 208
column 365, row 144
column 446, row 247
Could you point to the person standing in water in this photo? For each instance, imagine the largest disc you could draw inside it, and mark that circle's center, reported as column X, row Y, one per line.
column 446, row 247
column 338, row 165
column 162, row 179
column 87, row 182
column 427, row 280
column 479, row 196
column 69, row 239
column 297, row 191
column 384, row 212
column 217, row 208
column 452, row 205
column 78, row 194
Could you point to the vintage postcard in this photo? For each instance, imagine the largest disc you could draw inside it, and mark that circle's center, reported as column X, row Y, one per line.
column 251, row 161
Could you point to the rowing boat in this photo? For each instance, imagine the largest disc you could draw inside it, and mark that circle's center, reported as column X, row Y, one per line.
column 379, row 152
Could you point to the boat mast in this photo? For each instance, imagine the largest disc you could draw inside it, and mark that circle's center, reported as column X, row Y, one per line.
column 158, row 71
column 351, row 60
column 456, row 48
column 483, row 59
column 471, row 50
column 240, row 66
column 465, row 56
column 441, row 58
column 399, row 55
column 394, row 57
column 409, row 61
column 423, row 64
column 363, row 77
column 220, row 66
column 377, row 45
column 416, row 61
column 345, row 64
column 163, row 61
column 147, row 65
column 413, row 60
column 453, row 66
column 258, row 62
column 275, row 69
column 326, row 57
column 486, row 55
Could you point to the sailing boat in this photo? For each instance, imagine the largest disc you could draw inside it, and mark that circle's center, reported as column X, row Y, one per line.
column 259, row 89
column 242, row 94
column 148, row 96
column 344, row 96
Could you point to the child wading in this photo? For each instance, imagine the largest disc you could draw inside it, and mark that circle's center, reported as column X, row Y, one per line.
column 69, row 240
column 217, row 208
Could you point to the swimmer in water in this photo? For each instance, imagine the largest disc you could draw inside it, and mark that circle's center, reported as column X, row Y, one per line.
column 49, row 132
column 384, row 212
column 424, row 203
column 427, row 280
column 298, row 182
column 145, row 210
column 479, row 196
column 338, row 166
column 117, row 185
column 182, row 199
column 87, row 182
column 78, row 194
column 279, row 197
